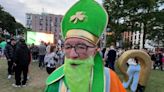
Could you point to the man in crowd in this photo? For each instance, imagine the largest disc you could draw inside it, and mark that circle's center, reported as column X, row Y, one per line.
column 22, row 60
column 158, row 60
column 83, row 69
column 34, row 51
column 110, row 57
column 9, row 53
column 42, row 53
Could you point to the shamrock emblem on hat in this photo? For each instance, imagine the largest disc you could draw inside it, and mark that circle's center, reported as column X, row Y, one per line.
column 78, row 16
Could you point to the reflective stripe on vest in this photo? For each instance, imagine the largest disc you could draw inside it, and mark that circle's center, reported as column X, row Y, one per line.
column 107, row 79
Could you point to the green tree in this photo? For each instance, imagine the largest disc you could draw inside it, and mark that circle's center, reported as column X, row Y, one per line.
column 128, row 15
column 8, row 22
column 20, row 28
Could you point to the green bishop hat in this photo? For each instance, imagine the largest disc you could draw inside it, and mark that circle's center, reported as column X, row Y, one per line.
column 86, row 19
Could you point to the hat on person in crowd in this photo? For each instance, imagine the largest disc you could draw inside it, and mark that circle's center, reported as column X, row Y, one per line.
column 86, row 20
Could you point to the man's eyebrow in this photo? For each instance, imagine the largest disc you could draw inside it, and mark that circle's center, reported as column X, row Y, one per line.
column 75, row 44
column 80, row 44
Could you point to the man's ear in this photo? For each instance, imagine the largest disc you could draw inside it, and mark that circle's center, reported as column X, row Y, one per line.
column 96, row 50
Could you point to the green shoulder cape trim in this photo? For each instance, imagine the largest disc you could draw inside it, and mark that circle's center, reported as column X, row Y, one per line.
column 55, row 76
column 98, row 75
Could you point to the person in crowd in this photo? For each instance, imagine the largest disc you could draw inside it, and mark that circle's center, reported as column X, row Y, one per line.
column 103, row 52
column 153, row 58
column 83, row 69
column 48, row 48
column 2, row 46
column 51, row 60
column 60, row 54
column 42, row 53
column 163, row 61
column 110, row 57
column 158, row 61
column 9, row 53
column 34, row 50
column 120, row 51
column 133, row 73
column 22, row 60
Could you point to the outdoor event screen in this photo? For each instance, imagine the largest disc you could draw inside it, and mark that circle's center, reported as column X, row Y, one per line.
column 37, row 37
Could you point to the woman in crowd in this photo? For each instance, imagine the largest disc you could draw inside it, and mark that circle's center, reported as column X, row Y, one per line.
column 133, row 72
column 51, row 60
column 60, row 54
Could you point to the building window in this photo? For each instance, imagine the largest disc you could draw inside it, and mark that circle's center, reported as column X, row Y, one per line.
column 40, row 27
column 46, row 19
column 51, row 24
column 56, row 21
column 29, row 17
column 55, row 29
column 50, row 18
column 50, row 29
column 41, row 22
column 46, row 28
column 29, row 22
column 41, row 17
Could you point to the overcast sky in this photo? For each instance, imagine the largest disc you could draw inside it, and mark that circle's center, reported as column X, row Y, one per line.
column 18, row 8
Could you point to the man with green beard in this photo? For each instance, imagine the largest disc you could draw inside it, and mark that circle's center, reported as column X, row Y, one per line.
column 83, row 70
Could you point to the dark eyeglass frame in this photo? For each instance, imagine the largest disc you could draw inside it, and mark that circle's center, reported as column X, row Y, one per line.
column 76, row 47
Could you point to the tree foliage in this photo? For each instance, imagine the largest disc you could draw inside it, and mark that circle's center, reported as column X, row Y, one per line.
column 128, row 15
column 8, row 22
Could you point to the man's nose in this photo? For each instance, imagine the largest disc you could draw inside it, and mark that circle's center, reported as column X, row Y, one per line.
column 73, row 54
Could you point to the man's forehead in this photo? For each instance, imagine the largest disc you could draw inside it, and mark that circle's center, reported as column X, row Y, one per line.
column 75, row 40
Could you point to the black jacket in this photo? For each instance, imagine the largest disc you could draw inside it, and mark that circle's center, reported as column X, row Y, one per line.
column 9, row 51
column 111, row 55
column 22, row 54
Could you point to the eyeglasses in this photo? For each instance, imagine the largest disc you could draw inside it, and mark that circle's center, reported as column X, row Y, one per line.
column 79, row 48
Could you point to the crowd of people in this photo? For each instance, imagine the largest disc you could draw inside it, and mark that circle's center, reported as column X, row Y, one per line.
column 158, row 59
column 111, row 54
column 83, row 69
column 51, row 56
column 86, row 68
column 19, row 55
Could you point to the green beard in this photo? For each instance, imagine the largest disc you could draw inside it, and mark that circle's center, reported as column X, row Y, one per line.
column 78, row 77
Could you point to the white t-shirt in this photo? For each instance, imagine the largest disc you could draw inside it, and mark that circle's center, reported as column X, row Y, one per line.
column 51, row 59
column 131, row 61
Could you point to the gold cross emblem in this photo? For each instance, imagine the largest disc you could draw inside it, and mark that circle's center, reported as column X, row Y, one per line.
column 78, row 16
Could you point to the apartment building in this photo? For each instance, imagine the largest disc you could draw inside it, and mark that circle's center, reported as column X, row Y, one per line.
column 48, row 23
